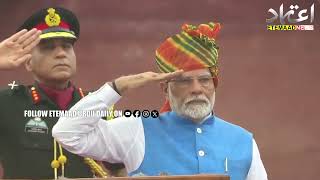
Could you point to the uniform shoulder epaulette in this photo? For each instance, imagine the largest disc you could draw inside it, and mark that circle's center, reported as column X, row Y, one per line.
column 12, row 91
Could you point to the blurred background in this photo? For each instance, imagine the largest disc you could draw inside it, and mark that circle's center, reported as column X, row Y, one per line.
column 268, row 80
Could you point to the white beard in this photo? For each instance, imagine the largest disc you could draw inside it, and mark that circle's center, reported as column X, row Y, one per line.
column 192, row 107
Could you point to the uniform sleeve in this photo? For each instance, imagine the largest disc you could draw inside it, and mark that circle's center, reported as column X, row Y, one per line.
column 257, row 170
column 119, row 140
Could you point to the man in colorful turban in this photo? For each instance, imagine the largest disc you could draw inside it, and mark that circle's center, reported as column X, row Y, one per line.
column 193, row 49
column 189, row 139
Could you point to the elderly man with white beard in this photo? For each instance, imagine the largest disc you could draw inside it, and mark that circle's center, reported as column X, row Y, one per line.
column 187, row 138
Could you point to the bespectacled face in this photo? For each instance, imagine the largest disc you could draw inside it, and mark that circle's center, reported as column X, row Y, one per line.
column 192, row 95
column 53, row 60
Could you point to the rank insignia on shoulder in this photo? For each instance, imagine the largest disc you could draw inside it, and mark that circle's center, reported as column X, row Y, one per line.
column 13, row 85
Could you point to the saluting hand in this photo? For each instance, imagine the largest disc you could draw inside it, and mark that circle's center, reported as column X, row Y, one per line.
column 16, row 49
column 126, row 83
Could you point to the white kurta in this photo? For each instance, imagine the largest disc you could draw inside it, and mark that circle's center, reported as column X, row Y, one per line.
column 119, row 140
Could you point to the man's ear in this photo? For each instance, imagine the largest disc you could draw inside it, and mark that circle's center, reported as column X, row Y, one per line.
column 27, row 65
column 164, row 87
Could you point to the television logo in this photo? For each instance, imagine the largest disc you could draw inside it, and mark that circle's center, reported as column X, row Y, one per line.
column 303, row 16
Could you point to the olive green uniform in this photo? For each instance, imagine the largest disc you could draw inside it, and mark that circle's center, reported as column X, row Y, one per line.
column 26, row 144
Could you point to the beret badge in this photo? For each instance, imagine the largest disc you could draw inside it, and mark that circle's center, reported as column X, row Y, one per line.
column 52, row 19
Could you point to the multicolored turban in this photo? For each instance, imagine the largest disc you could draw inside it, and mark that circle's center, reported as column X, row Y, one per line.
column 194, row 48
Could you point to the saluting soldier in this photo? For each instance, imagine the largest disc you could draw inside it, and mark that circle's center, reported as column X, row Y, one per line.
column 44, row 43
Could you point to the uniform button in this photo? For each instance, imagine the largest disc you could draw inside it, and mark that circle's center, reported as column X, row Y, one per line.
column 199, row 130
column 201, row 153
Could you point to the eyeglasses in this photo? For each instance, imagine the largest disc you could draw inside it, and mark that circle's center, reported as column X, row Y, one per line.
column 205, row 81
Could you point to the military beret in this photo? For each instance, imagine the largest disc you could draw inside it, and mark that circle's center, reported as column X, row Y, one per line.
column 54, row 22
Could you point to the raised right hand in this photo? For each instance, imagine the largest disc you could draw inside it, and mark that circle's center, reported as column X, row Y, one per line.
column 16, row 49
column 126, row 83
